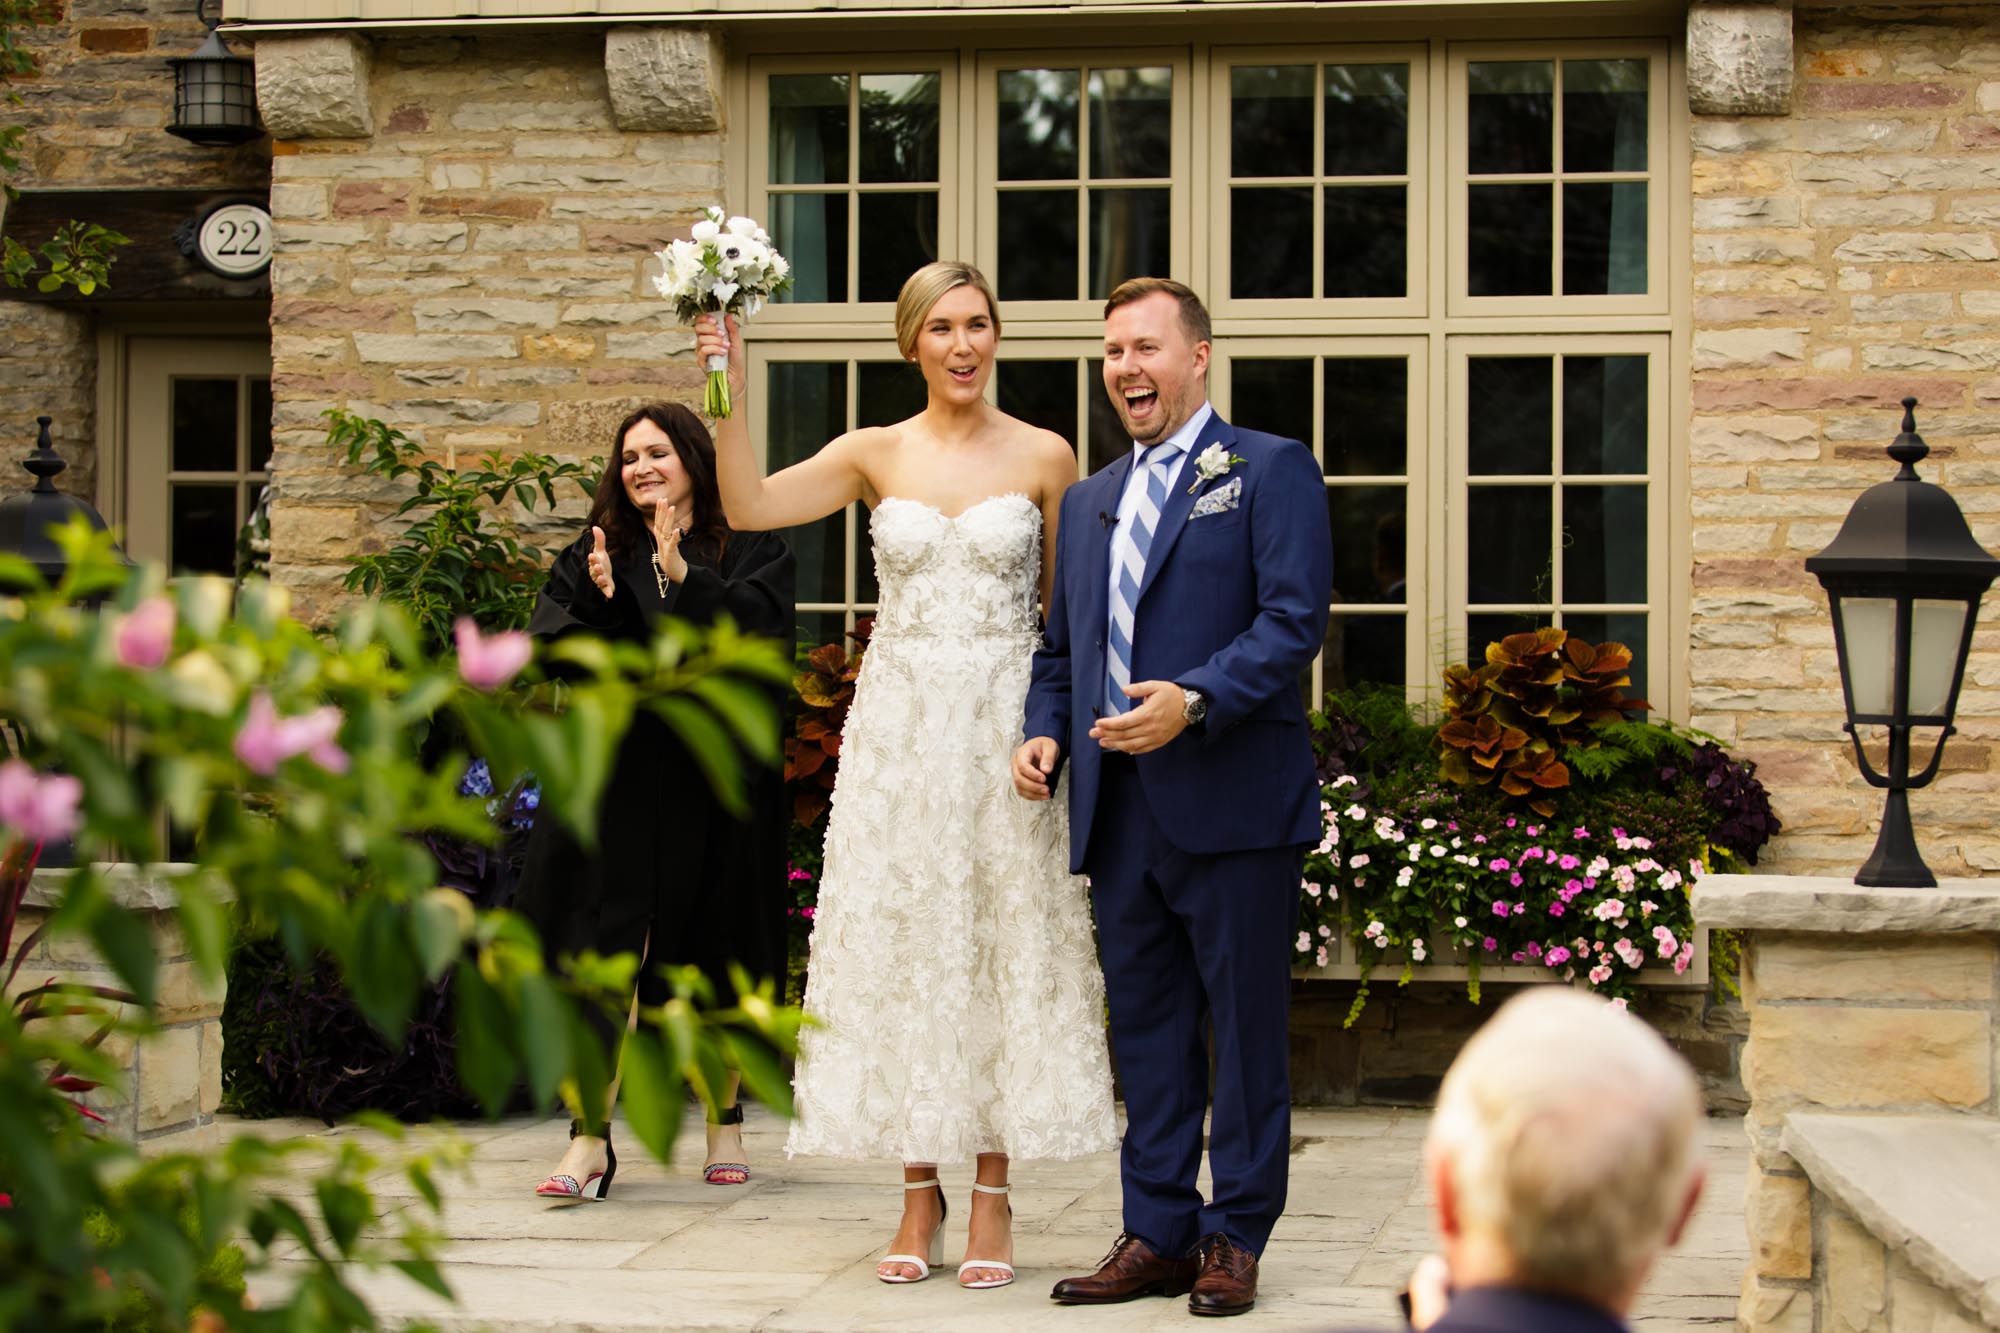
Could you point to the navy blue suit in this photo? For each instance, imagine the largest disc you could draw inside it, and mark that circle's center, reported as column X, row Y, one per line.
column 1194, row 850
column 1518, row 1310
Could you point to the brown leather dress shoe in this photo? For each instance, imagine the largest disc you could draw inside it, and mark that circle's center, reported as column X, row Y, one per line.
column 1227, row 1282
column 1130, row 1271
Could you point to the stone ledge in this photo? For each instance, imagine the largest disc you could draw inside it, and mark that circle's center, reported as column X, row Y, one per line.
column 147, row 888
column 1927, row 1186
column 1823, row 904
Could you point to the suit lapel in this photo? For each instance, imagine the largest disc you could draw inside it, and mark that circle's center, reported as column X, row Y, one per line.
column 1180, row 499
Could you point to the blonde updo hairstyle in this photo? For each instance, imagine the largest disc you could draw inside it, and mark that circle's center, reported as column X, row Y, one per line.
column 925, row 288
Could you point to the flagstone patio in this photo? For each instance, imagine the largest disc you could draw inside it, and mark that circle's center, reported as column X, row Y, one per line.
column 795, row 1250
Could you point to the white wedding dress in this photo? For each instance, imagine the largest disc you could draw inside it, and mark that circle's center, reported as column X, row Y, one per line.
column 953, row 973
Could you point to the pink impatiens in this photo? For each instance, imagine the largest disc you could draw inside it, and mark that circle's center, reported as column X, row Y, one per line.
column 489, row 661
column 39, row 807
column 267, row 740
column 146, row 636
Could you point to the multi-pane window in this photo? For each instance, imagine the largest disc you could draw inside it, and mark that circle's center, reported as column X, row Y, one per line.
column 1321, row 202
column 1084, row 161
column 1557, row 161
column 852, row 178
column 1563, row 452
column 1442, row 265
column 219, row 459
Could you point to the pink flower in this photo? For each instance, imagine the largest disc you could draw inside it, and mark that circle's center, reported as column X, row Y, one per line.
column 1304, row 944
column 1489, row 944
column 1628, row 953
column 1618, row 1002
column 1556, row 957
column 1686, row 956
column 1500, row 908
column 1600, row 974
column 1499, row 863
column 1581, row 833
column 267, row 740
column 1555, row 909
column 487, row 662
column 1568, row 862
column 146, row 636
column 1515, row 879
column 41, row 808
column 1319, row 956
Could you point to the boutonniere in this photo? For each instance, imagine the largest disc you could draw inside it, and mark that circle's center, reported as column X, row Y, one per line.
column 1211, row 463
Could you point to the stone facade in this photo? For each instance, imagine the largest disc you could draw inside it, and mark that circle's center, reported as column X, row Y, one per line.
column 1844, row 256
column 473, row 275
column 1864, row 1005
column 173, row 1077
column 95, row 110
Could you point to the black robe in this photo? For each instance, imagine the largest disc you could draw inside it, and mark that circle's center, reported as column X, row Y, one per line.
column 710, row 889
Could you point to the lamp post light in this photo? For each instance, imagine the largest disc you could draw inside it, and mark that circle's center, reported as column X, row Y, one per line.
column 28, row 520
column 215, row 92
column 1903, row 579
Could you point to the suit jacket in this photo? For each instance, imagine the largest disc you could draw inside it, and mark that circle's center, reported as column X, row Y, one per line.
column 1518, row 1310
column 1233, row 604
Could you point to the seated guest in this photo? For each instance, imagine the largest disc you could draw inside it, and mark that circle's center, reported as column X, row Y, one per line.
column 1562, row 1162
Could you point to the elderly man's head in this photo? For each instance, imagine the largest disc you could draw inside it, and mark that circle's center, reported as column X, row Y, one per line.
column 1562, row 1154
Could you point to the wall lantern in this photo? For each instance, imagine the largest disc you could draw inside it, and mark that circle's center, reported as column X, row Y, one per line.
column 1903, row 579
column 215, row 92
column 27, row 519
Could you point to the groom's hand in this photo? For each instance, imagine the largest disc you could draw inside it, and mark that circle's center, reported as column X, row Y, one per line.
column 1160, row 716
column 1033, row 763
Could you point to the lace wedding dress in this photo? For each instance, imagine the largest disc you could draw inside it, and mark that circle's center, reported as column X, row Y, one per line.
column 953, row 972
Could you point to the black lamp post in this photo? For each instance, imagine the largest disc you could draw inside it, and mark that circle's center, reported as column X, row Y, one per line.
column 28, row 520
column 1904, row 578
column 215, row 92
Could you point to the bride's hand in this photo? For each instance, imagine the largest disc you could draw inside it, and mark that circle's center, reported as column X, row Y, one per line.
column 715, row 337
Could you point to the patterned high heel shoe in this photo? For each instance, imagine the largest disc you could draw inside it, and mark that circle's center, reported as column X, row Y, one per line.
column 923, row 1266
column 595, row 1186
column 727, row 1173
column 987, row 1284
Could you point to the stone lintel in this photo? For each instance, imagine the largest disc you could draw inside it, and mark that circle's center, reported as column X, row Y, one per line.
column 1739, row 57
column 1824, row 904
column 665, row 77
column 1927, row 1186
column 314, row 85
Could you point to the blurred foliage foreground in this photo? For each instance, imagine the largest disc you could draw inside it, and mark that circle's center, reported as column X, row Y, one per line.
column 202, row 715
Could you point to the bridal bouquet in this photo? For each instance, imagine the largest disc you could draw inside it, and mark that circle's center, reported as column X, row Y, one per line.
column 728, row 268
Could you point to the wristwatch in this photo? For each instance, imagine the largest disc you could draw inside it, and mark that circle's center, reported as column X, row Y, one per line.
column 1197, row 706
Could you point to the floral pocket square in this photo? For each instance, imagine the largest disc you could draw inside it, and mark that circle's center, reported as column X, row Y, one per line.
column 1220, row 500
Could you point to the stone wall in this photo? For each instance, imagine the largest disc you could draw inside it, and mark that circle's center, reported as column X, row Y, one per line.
column 472, row 274
column 1399, row 1048
column 95, row 110
column 1845, row 255
column 1864, row 1005
column 173, row 1077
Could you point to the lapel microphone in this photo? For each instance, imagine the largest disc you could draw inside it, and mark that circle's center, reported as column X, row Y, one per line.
column 1109, row 521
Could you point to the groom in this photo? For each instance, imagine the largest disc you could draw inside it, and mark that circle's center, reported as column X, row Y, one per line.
column 1191, row 589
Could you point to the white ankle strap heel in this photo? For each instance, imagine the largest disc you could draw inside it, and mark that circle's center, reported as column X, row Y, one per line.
column 936, row 1257
column 990, row 1264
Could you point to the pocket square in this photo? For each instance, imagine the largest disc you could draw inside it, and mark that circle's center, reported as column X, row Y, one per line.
column 1220, row 500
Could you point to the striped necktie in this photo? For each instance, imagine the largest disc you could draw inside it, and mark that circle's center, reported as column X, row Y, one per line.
column 1138, row 545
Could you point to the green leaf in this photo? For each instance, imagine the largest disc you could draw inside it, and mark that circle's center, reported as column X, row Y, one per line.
column 544, row 1035
column 750, row 712
column 426, row 1274
column 346, row 1208
column 763, row 1073
column 204, row 924
column 438, row 928
column 486, row 1063
column 124, row 942
column 382, row 971
column 710, row 746
column 651, row 1090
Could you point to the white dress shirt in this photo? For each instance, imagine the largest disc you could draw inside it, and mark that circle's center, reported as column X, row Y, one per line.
column 1135, row 486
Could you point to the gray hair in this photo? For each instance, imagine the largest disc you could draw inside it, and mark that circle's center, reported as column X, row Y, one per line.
column 1568, row 1128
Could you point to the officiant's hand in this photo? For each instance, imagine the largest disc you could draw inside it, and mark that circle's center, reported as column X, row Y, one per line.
column 599, row 564
column 667, row 541
column 1160, row 716
column 1033, row 763
column 713, row 338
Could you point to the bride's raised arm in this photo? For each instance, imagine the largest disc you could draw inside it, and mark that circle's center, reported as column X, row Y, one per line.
column 752, row 502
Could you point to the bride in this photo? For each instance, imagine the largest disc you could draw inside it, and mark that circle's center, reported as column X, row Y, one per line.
column 953, row 972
